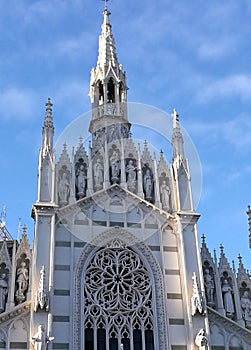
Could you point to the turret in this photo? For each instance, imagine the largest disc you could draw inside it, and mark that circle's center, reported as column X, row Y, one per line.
column 181, row 171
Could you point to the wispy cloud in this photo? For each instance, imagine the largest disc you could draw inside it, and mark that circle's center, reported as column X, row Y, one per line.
column 238, row 85
column 236, row 132
column 17, row 104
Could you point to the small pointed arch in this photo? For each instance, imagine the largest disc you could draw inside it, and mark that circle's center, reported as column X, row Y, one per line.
column 100, row 88
column 235, row 342
column 18, row 331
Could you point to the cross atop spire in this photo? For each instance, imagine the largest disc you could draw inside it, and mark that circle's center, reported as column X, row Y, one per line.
column 105, row 1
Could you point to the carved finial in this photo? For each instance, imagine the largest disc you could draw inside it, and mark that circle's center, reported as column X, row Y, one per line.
column 24, row 230
column 48, row 114
column 240, row 258
column 65, row 146
column 80, row 140
column 221, row 249
column 215, row 257
column 233, row 266
column 249, row 207
column 203, row 237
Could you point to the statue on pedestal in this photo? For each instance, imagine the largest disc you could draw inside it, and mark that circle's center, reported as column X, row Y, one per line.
column 228, row 299
column 165, row 195
column 98, row 175
column 131, row 175
column 3, row 292
column 209, row 285
column 40, row 339
column 246, row 309
column 63, row 189
column 22, row 282
column 148, row 184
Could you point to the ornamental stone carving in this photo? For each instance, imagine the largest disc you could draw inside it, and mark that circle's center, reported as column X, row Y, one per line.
column 197, row 301
column 42, row 295
column 201, row 340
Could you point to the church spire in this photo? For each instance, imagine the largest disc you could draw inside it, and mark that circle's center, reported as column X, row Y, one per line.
column 108, row 91
column 107, row 51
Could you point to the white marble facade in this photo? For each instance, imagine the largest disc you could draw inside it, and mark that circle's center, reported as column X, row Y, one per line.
column 115, row 262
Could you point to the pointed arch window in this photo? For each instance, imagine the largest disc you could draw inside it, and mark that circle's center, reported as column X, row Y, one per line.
column 100, row 93
column 117, row 301
column 110, row 91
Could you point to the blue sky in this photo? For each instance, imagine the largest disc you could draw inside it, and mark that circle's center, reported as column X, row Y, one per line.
column 194, row 56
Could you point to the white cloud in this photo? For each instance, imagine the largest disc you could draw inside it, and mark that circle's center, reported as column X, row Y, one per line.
column 238, row 85
column 235, row 132
column 17, row 104
column 215, row 49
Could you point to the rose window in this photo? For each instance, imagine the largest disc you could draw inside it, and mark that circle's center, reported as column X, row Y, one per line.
column 117, row 300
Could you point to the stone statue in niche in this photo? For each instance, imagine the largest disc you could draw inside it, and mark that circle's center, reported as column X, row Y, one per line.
column 209, row 286
column 3, row 291
column 131, row 175
column 201, row 340
column 40, row 339
column 42, row 297
column 228, row 299
column 148, row 184
column 197, row 301
column 165, row 195
column 81, row 180
column 115, row 167
column 63, row 189
column 98, row 174
column 246, row 309
column 22, row 282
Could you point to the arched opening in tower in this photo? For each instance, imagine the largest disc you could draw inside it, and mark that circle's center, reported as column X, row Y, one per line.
column 110, row 91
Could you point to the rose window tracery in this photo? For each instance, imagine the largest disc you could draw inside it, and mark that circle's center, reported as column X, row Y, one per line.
column 117, row 300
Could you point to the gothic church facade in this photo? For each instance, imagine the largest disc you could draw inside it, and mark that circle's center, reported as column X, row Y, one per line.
column 115, row 262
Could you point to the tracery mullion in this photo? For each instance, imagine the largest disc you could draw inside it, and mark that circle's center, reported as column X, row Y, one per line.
column 143, row 337
column 107, row 337
column 131, row 334
column 95, row 336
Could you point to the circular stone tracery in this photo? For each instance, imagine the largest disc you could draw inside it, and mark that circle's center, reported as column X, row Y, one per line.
column 117, row 281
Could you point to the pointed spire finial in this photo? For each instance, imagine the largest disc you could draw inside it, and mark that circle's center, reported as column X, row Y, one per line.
column 48, row 122
column 18, row 229
column 175, row 116
column 3, row 216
